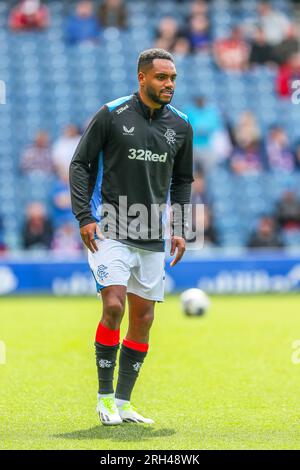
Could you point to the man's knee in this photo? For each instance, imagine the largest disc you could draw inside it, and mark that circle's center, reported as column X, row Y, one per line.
column 147, row 317
column 113, row 310
column 114, row 298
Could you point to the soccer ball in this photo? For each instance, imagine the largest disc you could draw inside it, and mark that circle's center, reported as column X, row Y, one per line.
column 194, row 302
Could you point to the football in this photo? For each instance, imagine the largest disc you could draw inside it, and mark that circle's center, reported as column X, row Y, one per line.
column 194, row 302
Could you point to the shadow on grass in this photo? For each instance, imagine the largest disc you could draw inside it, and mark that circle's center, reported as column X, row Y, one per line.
column 123, row 433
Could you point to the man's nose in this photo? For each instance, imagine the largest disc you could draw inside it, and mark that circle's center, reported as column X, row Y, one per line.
column 169, row 84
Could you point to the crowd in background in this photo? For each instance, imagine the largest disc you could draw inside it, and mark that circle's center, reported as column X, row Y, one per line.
column 243, row 149
column 272, row 40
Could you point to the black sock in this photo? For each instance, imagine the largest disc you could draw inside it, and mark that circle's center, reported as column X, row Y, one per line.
column 106, row 362
column 129, row 366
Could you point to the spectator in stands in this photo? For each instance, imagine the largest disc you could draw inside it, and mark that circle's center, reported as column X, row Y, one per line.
column 2, row 244
column 64, row 148
column 61, row 200
column 199, row 194
column 280, row 156
column 199, row 7
column 287, row 74
column 113, row 13
column 198, row 34
column 287, row 212
column 247, row 160
column 261, row 52
column 181, row 47
column 82, row 26
column 289, row 46
column 29, row 15
column 66, row 239
column 211, row 140
column 167, row 34
column 247, row 131
column 297, row 154
column 203, row 227
column 37, row 158
column 274, row 24
column 232, row 53
column 210, row 233
column 266, row 235
column 37, row 231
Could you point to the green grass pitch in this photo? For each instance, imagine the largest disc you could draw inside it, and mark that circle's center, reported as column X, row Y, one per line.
column 225, row 381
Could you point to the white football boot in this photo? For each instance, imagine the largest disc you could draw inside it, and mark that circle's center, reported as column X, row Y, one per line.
column 129, row 414
column 108, row 411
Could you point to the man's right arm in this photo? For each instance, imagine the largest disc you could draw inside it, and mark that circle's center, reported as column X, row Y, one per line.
column 85, row 159
column 84, row 162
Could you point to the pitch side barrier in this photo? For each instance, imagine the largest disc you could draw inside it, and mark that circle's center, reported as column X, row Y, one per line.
column 214, row 271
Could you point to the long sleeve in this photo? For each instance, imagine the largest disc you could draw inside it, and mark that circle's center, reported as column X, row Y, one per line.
column 84, row 165
column 182, row 178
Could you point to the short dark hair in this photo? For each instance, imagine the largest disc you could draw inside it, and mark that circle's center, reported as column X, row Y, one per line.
column 146, row 57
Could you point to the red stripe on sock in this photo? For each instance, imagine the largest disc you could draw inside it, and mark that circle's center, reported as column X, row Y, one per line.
column 142, row 347
column 106, row 336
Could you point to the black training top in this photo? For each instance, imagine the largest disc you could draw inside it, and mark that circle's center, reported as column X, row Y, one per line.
column 127, row 152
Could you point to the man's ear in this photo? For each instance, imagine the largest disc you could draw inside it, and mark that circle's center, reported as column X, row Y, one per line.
column 141, row 78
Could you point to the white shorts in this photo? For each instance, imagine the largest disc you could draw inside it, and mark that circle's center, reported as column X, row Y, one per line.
column 142, row 271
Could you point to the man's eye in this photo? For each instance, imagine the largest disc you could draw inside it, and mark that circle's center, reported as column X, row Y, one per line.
column 162, row 77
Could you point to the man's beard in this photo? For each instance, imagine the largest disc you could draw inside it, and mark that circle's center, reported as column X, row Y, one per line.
column 152, row 95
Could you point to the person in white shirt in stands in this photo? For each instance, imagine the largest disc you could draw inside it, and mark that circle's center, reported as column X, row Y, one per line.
column 64, row 148
column 274, row 23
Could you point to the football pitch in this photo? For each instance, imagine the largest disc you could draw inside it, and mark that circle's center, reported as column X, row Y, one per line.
column 225, row 381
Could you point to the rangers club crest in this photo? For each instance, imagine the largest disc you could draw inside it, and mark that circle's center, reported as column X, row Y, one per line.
column 137, row 366
column 170, row 136
column 105, row 364
column 102, row 272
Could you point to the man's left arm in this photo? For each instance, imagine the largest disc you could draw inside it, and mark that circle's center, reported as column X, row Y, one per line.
column 180, row 193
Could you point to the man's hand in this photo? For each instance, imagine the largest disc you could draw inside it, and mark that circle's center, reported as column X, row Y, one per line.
column 87, row 233
column 179, row 243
